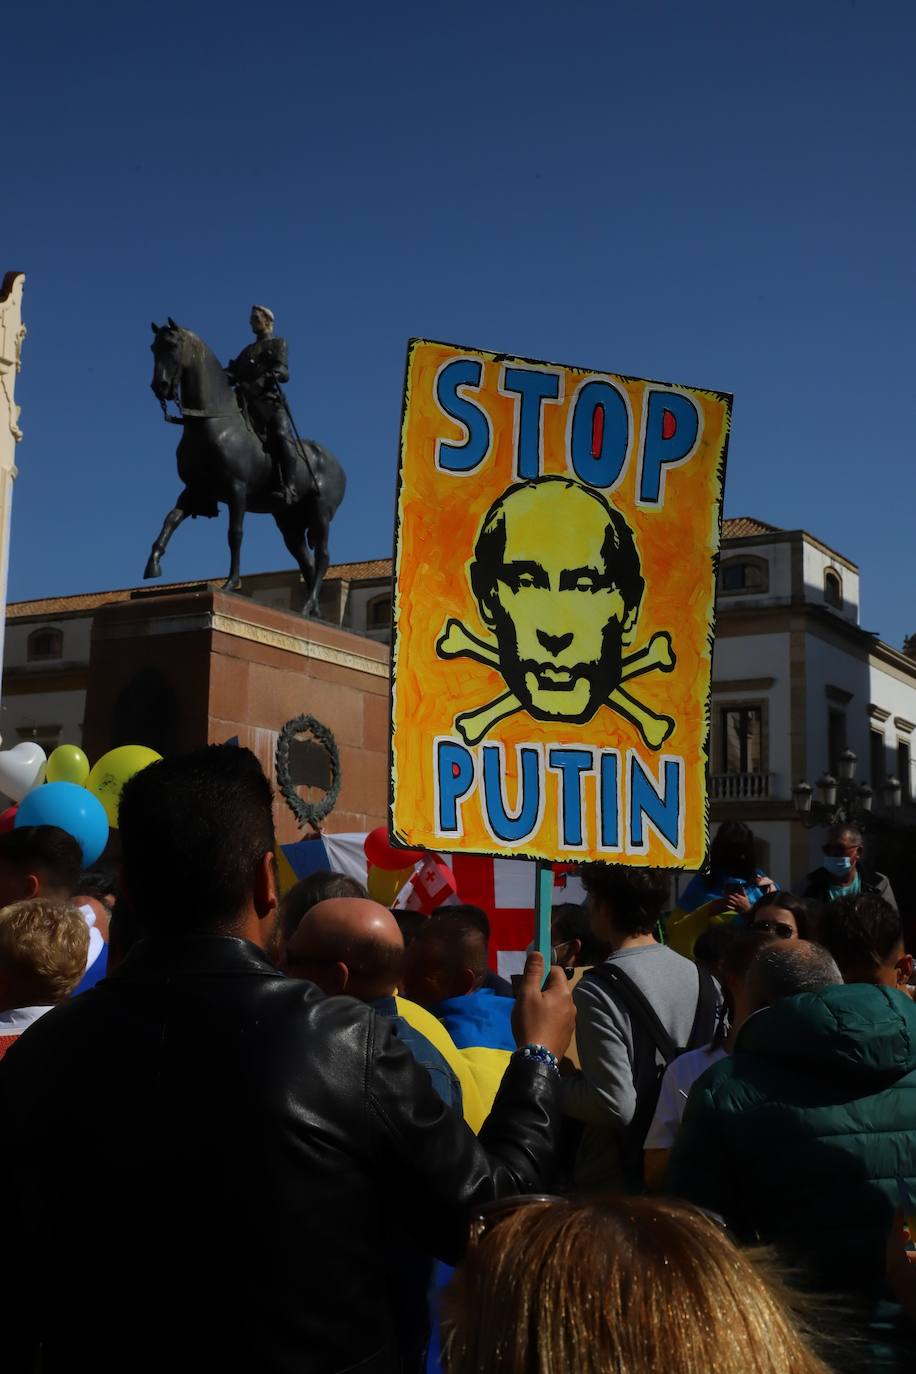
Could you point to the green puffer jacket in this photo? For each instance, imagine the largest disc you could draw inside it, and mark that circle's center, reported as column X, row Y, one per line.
column 799, row 1137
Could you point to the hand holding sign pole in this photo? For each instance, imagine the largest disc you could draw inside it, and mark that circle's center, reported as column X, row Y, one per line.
column 543, row 910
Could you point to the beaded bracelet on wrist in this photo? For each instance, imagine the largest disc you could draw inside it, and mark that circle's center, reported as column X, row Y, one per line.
column 541, row 1055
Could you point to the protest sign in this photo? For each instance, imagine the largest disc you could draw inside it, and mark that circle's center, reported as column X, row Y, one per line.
column 556, row 546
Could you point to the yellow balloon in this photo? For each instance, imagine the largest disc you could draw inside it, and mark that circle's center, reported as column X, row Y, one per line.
column 67, row 763
column 113, row 770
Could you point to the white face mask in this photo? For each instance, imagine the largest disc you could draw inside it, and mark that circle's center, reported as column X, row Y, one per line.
column 553, row 951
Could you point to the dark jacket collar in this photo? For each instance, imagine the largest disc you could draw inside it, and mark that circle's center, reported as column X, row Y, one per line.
column 164, row 955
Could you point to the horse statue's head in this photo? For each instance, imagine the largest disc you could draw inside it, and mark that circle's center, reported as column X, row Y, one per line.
column 168, row 360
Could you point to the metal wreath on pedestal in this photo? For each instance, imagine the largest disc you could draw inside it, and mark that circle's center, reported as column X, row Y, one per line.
column 307, row 813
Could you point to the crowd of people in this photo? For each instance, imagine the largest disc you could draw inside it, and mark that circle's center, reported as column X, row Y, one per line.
column 240, row 1130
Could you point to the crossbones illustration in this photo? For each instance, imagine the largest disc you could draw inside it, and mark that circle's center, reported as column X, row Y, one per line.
column 456, row 641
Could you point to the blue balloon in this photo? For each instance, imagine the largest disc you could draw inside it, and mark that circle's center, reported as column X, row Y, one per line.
column 70, row 808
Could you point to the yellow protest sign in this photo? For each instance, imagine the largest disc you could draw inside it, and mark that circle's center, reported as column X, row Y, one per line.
column 556, row 546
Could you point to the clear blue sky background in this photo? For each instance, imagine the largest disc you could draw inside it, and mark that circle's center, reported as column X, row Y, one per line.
column 716, row 193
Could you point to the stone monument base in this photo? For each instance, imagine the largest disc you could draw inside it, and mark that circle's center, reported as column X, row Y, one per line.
column 177, row 671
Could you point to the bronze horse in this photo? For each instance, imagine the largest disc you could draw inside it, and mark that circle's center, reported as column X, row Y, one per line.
column 221, row 461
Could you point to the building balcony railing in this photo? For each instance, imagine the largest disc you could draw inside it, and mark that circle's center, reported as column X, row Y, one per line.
column 740, row 786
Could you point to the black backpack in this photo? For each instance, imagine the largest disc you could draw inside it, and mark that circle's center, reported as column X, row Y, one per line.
column 651, row 1038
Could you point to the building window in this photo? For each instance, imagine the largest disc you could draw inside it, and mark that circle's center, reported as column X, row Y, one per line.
column 45, row 644
column 744, row 575
column 904, row 764
column 878, row 758
column 378, row 613
column 742, row 739
column 836, row 739
column 833, row 589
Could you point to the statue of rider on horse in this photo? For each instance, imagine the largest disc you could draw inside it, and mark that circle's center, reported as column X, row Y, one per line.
column 239, row 448
column 257, row 374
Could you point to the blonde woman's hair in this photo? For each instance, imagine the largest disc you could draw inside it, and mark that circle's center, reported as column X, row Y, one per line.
column 43, row 950
column 618, row 1286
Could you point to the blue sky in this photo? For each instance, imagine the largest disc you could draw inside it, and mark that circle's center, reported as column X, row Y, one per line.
column 720, row 194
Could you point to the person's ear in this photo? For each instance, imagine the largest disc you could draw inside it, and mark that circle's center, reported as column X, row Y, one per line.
column 32, row 886
column 468, row 981
column 339, row 978
column 904, row 967
column 265, row 895
column 566, row 952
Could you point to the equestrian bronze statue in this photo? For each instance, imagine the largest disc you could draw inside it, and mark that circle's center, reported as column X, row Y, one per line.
column 240, row 448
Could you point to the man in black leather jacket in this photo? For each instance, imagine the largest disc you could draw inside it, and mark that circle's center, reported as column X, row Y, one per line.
column 200, row 1159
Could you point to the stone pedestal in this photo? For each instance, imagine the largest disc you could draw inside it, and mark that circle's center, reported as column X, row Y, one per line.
column 178, row 671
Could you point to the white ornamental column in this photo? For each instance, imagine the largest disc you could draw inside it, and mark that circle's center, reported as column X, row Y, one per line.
column 12, row 333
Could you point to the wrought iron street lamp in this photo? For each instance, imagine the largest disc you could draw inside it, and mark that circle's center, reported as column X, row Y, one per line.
column 842, row 799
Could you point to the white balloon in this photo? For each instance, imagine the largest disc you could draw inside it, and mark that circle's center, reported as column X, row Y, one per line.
column 21, row 769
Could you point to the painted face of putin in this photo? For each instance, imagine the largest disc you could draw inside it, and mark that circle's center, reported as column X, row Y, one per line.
column 557, row 579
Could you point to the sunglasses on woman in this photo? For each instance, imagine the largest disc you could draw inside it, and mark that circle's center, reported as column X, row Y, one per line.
column 780, row 928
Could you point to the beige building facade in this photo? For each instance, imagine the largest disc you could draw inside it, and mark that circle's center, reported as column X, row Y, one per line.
column 796, row 681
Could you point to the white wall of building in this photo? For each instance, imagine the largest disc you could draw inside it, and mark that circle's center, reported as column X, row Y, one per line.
column 22, row 712
column 899, row 698
column 759, row 656
column 836, row 666
column 76, row 630
column 778, row 557
column 816, row 563
column 358, row 601
column 871, row 685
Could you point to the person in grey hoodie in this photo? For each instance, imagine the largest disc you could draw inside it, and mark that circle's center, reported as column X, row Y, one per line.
column 635, row 1012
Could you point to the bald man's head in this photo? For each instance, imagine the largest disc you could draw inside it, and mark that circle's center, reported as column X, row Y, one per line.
column 787, row 968
column 348, row 945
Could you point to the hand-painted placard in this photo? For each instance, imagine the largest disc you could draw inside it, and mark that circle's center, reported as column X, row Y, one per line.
column 556, row 549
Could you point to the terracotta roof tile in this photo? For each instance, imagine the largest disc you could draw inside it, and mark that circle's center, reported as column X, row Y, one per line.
column 742, row 526
column 86, row 601
column 371, row 570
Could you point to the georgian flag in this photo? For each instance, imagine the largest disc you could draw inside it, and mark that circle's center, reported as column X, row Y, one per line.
column 433, row 885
